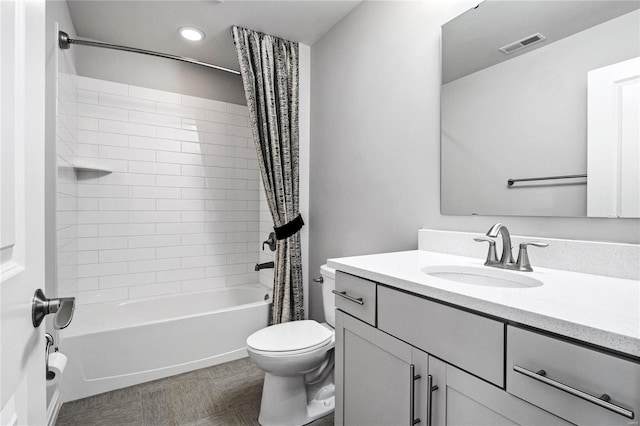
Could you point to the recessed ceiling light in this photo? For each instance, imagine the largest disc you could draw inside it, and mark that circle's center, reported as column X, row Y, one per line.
column 191, row 33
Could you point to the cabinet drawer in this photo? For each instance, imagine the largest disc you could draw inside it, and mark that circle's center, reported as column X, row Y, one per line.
column 573, row 380
column 356, row 296
column 468, row 341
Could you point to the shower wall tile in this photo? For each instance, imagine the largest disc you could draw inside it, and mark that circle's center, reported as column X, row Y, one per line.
column 181, row 210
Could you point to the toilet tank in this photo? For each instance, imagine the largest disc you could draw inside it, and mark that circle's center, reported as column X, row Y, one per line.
column 328, row 298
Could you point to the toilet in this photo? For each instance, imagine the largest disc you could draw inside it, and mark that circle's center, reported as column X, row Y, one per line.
column 298, row 360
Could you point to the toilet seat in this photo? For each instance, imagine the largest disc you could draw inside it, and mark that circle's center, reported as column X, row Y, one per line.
column 290, row 338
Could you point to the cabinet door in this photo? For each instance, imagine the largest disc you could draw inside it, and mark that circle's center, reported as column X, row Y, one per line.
column 462, row 399
column 376, row 380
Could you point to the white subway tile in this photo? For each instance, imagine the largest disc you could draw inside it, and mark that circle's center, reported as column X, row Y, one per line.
column 180, row 158
column 181, row 111
column 86, row 123
column 238, row 163
column 102, row 269
column 180, row 274
column 179, row 228
column 233, row 151
column 125, row 230
column 85, row 150
column 242, row 195
column 153, row 192
column 101, row 243
column 203, row 284
column 153, row 143
column 99, row 138
column 127, row 280
column 180, row 181
column 206, row 238
column 203, row 148
column 198, row 261
column 153, row 265
column 153, row 119
column 150, row 290
column 204, row 171
column 102, row 295
column 91, row 216
column 86, row 257
column 238, row 109
column 127, row 153
column 222, row 117
column 204, row 126
column 180, row 134
column 226, row 226
column 128, row 179
column 243, row 258
column 126, row 204
column 154, row 217
column 124, row 255
column 87, row 284
column 86, row 231
column 195, row 102
column 203, row 194
column 229, row 140
column 223, row 183
column 87, row 96
column 179, row 251
column 102, row 112
column 225, row 205
column 204, row 216
column 154, row 168
column 255, row 185
column 126, row 128
column 101, row 86
column 154, row 95
column 227, row 248
column 243, row 174
column 225, row 270
column 252, row 216
column 237, row 237
column 154, row 241
column 242, row 131
column 180, row 204
column 250, row 278
column 127, row 102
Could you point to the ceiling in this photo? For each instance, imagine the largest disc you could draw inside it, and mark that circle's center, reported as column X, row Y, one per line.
column 471, row 41
column 153, row 25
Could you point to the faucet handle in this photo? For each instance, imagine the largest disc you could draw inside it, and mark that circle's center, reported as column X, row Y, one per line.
column 523, row 263
column 492, row 257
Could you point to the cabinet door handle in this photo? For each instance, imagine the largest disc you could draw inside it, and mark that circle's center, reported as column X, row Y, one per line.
column 344, row 294
column 602, row 401
column 412, row 394
column 430, row 389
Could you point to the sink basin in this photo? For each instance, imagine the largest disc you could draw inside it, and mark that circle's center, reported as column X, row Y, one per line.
column 481, row 276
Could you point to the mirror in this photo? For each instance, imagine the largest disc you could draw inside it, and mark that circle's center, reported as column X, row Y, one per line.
column 528, row 93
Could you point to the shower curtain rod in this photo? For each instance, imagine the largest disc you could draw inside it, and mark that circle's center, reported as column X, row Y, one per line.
column 65, row 43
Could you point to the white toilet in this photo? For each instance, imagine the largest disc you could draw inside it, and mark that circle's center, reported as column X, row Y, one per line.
column 298, row 359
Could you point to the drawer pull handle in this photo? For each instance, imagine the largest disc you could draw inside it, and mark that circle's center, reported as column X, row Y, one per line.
column 602, row 401
column 412, row 390
column 344, row 294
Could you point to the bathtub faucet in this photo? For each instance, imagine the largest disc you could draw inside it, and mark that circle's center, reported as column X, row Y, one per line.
column 266, row 265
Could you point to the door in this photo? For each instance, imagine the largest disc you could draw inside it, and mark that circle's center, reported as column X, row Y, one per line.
column 613, row 140
column 379, row 379
column 22, row 65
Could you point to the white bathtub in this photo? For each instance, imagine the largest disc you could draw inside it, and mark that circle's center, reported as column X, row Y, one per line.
column 117, row 344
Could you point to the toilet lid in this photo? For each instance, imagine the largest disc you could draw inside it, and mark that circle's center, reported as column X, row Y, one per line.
column 289, row 336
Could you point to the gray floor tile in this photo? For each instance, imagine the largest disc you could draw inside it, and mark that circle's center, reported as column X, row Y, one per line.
column 124, row 413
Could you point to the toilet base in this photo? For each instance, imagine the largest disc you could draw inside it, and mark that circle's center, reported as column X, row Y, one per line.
column 284, row 402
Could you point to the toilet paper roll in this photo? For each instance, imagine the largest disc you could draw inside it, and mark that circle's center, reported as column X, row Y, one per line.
column 57, row 364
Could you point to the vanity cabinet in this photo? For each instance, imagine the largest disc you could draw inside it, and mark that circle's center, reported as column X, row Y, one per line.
column 402, row 359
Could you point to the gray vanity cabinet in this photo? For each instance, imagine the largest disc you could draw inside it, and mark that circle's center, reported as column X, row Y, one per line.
column 377, row 377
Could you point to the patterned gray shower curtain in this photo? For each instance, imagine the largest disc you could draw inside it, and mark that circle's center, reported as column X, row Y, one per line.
column 269, row 68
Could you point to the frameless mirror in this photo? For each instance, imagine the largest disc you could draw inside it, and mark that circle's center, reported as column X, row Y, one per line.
column 540, row 109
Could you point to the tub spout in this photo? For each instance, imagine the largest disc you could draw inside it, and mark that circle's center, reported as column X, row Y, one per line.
column 266, row 265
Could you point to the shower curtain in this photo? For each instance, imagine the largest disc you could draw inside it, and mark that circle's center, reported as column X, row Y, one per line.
column 269, row 68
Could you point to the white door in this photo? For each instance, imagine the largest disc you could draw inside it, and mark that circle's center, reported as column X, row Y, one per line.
column 22, row 65
column 613, row 140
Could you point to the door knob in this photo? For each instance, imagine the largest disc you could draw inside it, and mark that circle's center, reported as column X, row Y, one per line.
column 62, row 307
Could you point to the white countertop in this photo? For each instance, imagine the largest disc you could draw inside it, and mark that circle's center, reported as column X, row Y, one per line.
column 596, row 309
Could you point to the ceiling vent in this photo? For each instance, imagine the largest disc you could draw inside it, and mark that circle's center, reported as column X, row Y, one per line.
column 521, row 44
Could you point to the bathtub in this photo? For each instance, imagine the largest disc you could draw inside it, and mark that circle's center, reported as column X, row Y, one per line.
column 117, row 344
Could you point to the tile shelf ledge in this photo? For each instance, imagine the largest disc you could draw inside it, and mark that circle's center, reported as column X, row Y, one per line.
column 87, row 166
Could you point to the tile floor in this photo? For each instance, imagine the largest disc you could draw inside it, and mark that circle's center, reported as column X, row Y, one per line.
column 223, row 395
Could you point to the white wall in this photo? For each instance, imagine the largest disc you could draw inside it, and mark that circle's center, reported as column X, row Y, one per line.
column 179, row 212
column 375, row 139
column 527, row 117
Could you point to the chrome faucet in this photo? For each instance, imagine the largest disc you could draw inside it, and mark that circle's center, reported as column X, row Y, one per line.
column 506, row 259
